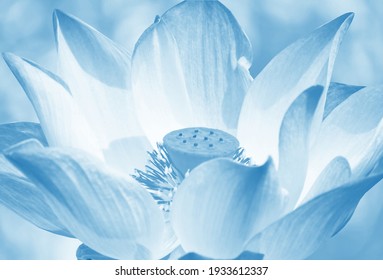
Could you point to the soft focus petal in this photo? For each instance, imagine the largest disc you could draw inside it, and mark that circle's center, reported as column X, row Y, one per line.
column 221, row 204
column 294, row 141
column 243, row 256
column 337, row 93
column 301, row 232
column 13, row 133
column 110, row 214
column 60, row 118
column 352, row 130
column 159, row 88
column 307, row 62
column 98, row 74
column 24, row 198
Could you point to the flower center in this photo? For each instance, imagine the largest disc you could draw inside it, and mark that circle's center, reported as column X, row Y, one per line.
column 189, row 147
column 181, row 151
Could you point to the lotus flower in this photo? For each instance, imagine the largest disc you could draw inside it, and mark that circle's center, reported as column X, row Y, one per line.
column 312, row 147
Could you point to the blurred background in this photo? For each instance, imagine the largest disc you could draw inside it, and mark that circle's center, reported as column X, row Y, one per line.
column 26, row 30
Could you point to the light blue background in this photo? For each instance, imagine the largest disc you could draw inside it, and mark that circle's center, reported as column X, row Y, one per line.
column 26, row 29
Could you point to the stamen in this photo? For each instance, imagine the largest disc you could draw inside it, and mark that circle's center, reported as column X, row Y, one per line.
column 162, row 176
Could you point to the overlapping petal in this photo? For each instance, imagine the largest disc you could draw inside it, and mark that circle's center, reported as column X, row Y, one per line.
column 207, row 59
column 98, row 74
column 110, row 214
column 307, row 62
column 301, row 232
column 24, row 198
column 13, row 133
column 352, row 130
column 61, row 120
column 221, row 204
column 294, row 141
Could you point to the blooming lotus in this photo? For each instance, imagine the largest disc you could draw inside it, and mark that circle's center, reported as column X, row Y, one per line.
column 312, row 146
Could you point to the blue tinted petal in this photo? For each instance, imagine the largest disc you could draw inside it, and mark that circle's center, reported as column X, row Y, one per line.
column 337, row 93
column 301, row 232
column 98, row 74
column 307, row 62
column 294, row 142
column 243, row 256
column 24, row 198
column 110, row 214
column 61, row 120
column 13, row 133
column 159, row 88
column 222, row 203
column 215, row 56
column 353, row 130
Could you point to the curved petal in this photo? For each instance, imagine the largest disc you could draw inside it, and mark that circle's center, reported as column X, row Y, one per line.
column 24, row 198
column 13, row 133
column 215, row 55
column 336, row 94
column 307, row 62
column 294, row 141
column 353, row 130
column 110, row 214
column 98, row 73
column 159, row 88
column 61, row 119
column 301, row 232
column 221, row 204
column 243, row 256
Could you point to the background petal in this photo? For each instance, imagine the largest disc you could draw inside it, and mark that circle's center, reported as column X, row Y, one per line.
column 60, row 118
column 301, row 232
column 221, row 204
column 108, row 213
column 307, row 62
column 13, row 133
column 97, row 72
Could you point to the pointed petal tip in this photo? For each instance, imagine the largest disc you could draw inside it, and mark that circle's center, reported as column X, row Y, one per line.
column 25, row 145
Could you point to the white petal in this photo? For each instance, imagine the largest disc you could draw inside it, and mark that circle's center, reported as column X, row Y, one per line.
column 307, row 62
column 98, row 74
column 353, row 130
column 221, row 204
column 110, row 214
column 215, row 56
column 294, row 141
column 159, row 88
column 60, row 118
column 301, row 232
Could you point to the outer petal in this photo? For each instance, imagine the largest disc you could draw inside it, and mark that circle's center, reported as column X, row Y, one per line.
column 300, row 233
column 307, row 62
column 60, row 118
column 21, row 196
column 191, row 66
column 353, row 130
column 222, row 204
column 98, row 74
column 108, row 213
column 294, row 141
column 13, row 133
